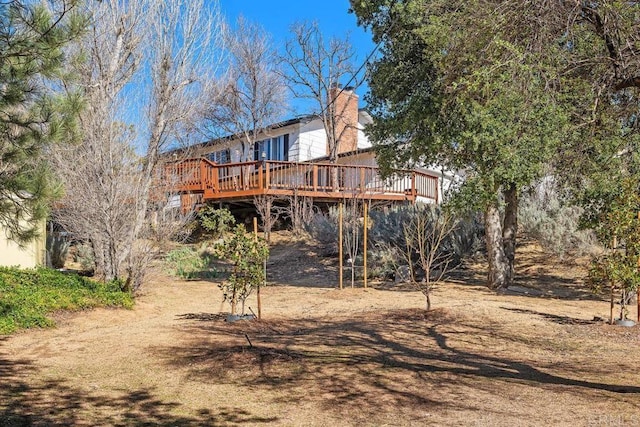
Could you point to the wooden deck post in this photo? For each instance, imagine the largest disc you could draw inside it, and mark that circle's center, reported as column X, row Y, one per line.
column 414, row 191
column 202, row 172
column 267, row 184
column 365, row 223
column 340, row 244
column 314, row 177
column 612, row 284
column 362, row 180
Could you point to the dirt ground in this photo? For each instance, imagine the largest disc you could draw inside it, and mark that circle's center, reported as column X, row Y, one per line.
column 324, row 357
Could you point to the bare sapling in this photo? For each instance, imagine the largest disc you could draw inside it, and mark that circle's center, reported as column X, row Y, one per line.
column 352, row 234
column 269, row 213
column 300, row 211
column 424, row 253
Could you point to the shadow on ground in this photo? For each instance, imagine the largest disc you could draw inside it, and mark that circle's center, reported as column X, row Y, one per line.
column 400, row 359
column 26, row 402
column 561, row 320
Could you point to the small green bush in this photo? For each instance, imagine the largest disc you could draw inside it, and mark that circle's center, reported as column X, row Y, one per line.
column 189, row 263
column 247, row 255
column 27, row 297
column 84, row 256
column 618, row 229
column 216, row 221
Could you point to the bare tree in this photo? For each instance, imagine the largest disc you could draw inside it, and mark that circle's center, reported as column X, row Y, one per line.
column 300, row 211
column 316, row 69
column 109, row 178
column 253, row 94
column 102, row 186
column 99, row 174
column 424, row 250
column 268, row 212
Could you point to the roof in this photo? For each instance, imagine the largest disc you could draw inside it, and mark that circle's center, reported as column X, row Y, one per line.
column 227, row 138
column 306, row 118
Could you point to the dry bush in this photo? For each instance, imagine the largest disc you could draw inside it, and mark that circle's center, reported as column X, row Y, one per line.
column 554, row 223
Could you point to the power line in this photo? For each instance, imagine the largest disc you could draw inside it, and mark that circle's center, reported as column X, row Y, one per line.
column 364, row 64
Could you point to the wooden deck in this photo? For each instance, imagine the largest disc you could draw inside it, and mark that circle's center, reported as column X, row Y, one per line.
column 322, row 181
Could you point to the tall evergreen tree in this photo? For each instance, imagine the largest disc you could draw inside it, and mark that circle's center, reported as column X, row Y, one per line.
column 34, row 111
column 467, row 85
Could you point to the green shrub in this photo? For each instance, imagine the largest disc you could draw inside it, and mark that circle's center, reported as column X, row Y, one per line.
column 189, row 263
column 216, row 221
column 386, row 232
column 84, row 256
column 27, row 297
column 247, row 255
column 323, row 227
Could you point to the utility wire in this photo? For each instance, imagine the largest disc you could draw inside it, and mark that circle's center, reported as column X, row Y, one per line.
column 364, row 64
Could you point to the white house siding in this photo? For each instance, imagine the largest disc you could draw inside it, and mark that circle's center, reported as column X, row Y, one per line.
column 363, row 120
column 446, row 181
column 363, row 141
column 312, row 141
column 307, row 141
column 294, row 142
column 235, row 146
column 425, row 200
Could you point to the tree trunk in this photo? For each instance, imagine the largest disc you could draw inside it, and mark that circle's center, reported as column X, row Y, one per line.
column 428, row 296
column 612, row 303
column 335, row 179
column 98, row 257
column 268, row 220
column 353, row 273
column 510, row 230
column 498, row 264
column 234, row 303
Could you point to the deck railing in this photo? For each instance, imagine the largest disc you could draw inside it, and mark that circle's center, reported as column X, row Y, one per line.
column 314, row 179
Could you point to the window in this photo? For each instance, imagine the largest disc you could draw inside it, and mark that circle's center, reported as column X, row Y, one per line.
column 273, row 148
column 220, row 157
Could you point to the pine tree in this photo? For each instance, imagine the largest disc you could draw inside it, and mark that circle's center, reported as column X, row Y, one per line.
column 34, row 109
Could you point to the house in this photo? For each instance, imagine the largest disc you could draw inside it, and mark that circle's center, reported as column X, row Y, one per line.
column 291, row 158
column 30, row 255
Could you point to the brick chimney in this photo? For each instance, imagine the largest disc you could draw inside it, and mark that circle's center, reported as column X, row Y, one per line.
column 346, row 118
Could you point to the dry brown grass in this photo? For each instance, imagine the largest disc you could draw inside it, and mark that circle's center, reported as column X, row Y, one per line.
column 327, row 357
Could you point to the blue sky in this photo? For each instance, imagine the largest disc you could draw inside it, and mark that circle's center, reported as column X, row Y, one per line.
column 276, row 16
